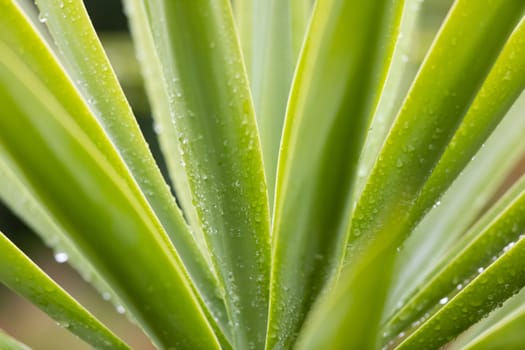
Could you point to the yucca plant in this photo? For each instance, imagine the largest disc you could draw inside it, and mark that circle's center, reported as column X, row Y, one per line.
column 319, row 204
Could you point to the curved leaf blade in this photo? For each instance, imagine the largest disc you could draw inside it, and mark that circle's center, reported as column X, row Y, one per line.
column 89, row 67
column 429, row 117
column 212, row 115
column 500, row 281
column 510, row 311
column 155, row 84
column 441, row 229
column 271, row 33
column 392, row 94
column 506, row 334
column 21, row 275
column 337, row 83
column 8, row 343
column 208, row 285
column 85, row 195
column 503, row 86
column 348, row 316
column 15, row 194
column 496, row 232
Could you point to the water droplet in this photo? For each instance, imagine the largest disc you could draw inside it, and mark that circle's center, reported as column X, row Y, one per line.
column 157, row 128
column 120, row 309
column 63, row 324
column 443, row 301
column 42, row 17
column 508, row 246
column 404, row 58
column 61, row 257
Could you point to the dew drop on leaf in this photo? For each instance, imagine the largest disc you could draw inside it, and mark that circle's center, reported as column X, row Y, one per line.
column 61, row 257
column 120, row 309
column 42, row 17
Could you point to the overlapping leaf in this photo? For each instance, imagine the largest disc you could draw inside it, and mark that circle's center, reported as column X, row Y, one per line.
column 24, row 277
column 69, row 175
column 333, row 97
column 212, row 116
column 433, row 110
column 271, row 34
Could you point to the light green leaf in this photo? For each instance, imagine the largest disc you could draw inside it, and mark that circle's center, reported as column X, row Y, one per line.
column 271, row 32
column 89, row 67
column 506, row 334
column 489, row 241
column 337, row 83
column 444, row 225
column 502, row 87
column 213, row 119
column 393, row 92
column 509, row 313
column 433, row 110
column 348, row 316
column 8, row 343
column 17, row 196
column 21, row 275
column 114, row 227
column 18, row 34
column 501, row 280
column 155, row 84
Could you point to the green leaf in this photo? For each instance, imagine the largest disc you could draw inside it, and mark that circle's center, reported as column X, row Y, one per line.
column 155, row 84
column 17, row 196
column 506, row 334
column 393, row 92
column 271, row 32
column 430, row 242
column 337, row 83
column 8, row 343
column 502, row 87
column 102, row 214
column 489, row 290
column 490, row 240
column 213, row 118
column 348, row 316
column 90, row 69
column 433, row 110
column 21, row 275
column 157, row 92
column 507, row 314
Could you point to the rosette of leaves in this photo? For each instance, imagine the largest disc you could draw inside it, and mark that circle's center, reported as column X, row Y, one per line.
column 329, row 194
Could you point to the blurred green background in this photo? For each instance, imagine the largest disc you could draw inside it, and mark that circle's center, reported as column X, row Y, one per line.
column 18, row 317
